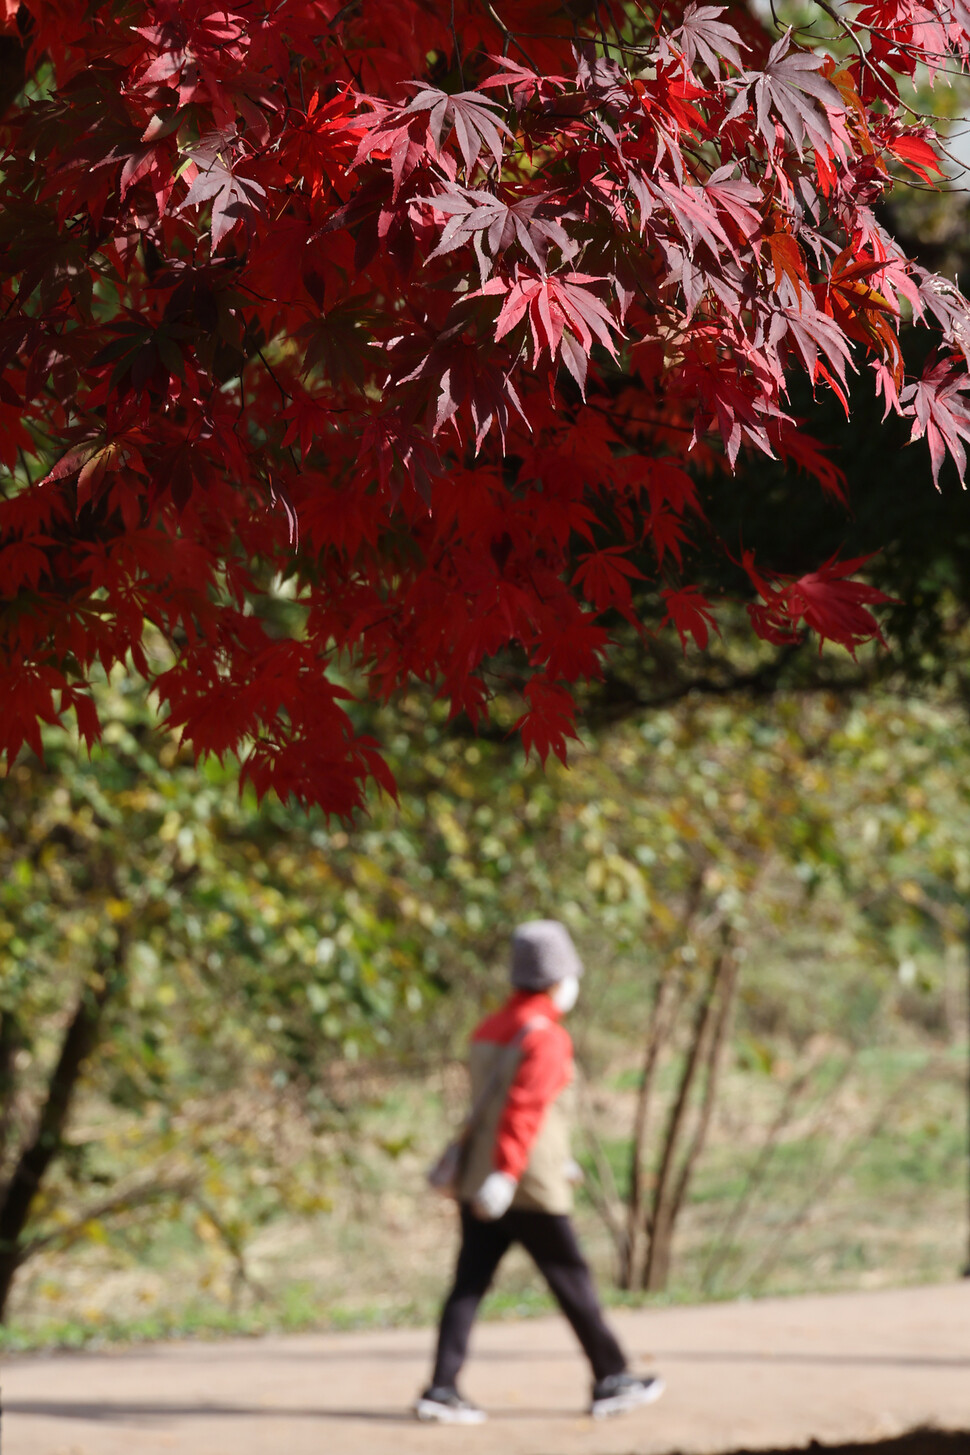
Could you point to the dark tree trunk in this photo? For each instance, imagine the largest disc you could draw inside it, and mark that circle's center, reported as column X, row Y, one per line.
column 42, row 1149
column 10, row 1043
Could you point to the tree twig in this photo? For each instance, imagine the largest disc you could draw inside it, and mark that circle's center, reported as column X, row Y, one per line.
column 662, row 1210
column 728, row 979
column 606, row 1197
column 661, row 1020
column 829, row 1178
column 124, row 1201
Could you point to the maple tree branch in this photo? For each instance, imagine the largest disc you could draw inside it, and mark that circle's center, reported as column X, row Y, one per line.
column 615, row 699
column 848, row 29
column 620, row 700
column 457, row 47
column 510, row 36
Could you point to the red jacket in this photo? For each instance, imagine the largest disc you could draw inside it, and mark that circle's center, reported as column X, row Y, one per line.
column 545, row 1069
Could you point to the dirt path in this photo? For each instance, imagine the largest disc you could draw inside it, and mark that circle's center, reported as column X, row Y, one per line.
column 771, row 1374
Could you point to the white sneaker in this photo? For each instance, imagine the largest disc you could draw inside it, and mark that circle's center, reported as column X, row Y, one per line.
column 618, row 1393
column 442, row 1405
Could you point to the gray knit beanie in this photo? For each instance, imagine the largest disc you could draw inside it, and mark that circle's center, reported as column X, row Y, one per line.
column 542, row 955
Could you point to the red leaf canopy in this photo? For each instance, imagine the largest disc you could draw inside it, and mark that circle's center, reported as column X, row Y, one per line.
column 413, row 323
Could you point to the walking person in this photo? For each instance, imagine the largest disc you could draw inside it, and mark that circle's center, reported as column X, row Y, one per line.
column 516, row 1180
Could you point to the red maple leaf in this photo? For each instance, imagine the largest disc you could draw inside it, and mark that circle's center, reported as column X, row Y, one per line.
column 605, row 577
column 826, row 600
column 550, row 720
column 690, row 613
column 564, row 317
column 245, row 340
column 940, row 404
column 916, row 154
column 234, row 198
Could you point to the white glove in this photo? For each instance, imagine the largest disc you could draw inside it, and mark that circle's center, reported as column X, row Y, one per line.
column 573, row 1173
column 494, row 1197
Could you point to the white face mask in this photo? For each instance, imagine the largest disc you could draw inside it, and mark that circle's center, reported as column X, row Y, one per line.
column 564, row 994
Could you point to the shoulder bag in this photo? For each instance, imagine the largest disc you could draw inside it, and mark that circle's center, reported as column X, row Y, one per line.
column 444, row 1174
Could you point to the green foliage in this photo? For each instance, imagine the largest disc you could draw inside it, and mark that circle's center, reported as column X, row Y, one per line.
column 282, row 974
column 252, row 958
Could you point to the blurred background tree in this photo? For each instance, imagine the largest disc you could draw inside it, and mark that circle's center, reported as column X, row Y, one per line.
column 165, row 943
column 765, row 893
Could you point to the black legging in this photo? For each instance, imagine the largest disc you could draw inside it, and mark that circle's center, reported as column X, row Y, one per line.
column 551, row 1243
